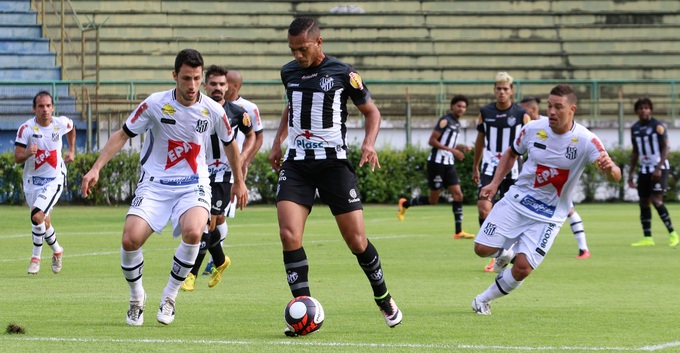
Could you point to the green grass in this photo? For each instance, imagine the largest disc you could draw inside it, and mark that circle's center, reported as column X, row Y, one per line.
column 621, row 299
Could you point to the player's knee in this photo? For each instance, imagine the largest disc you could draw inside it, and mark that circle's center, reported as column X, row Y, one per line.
column 130, row 243
column 483, row 250
column 37, row 216
column 521, row 269
column 433, row 199
column 289, row 238
column 220, row 219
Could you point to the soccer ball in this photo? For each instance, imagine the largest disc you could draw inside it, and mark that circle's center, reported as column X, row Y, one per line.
column 303, row 315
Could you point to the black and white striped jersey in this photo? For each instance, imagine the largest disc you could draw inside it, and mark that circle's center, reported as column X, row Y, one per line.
column 449, row 128
column 500, row 128
column 317, row 108
column 218, row 164
column 647, row 139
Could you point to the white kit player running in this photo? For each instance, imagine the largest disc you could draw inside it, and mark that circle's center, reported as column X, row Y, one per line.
column 525, row 222
column 38, row 147
column 174, row 183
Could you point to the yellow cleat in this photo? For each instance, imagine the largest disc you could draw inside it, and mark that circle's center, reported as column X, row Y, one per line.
column 401, row 210
column 216, row 275
column 646, row 241
column 673, row 239
column 189, row 283
column 463, row 235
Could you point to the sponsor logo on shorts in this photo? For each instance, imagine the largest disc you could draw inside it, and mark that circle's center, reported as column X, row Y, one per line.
column 137, row 201
column 202, row 200
column 282, row 176
column 353, row 196
column 537, row 206
column 40, row 181
column 490, row 229
column 180, row 181
column 548, row 230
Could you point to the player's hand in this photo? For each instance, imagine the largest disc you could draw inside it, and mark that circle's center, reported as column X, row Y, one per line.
column 31, row 151
column 458, row 154
column 369, row 155
column 604, row 162
column 488, row 192
column 475, row 176
column 631, row 184
column 69, row 157
column 89, row 180
column 240, row 191
column 275, row 158
column 656, row 175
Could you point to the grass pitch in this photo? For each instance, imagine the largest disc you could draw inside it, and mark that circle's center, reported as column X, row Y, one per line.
column 621, row 299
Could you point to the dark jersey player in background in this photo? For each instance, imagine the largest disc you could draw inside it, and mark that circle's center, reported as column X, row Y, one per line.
column 317, row 88
column 498, row 124
column 650, row 148
column 441, row 171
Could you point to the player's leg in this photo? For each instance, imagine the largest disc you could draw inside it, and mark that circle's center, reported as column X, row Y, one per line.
column 576, row 224
column 434, row 182
column 452, row 182
column 658, row 190
column 221, row 261
column 43, row 200
column 644, row 189
column 483, row 209
column 135, row 233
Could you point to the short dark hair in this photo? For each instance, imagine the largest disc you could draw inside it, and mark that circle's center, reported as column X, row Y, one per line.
column 42, row 94
column 189, row 57
column 564, row 90
column 644, row 101
column 303, row 25
column 458, row 98
column 215, row 70
column 528, row 99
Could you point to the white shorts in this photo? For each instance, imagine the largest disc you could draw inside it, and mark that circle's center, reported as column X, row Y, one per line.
column 505, row 226
column 157, row 203
column 44, row 196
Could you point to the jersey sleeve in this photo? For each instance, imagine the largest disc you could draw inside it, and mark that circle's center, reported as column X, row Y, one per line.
column 355, row 87
column 65, row 125
column 661, row 131
column 520, row 144
column 139, row 120
column 22, row 136
column 223, row 129
column 442, row 123
column 596, row 148
column 244, row 122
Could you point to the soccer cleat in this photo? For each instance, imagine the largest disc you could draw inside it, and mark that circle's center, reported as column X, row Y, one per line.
column 166, row 312
column 673, row 239
column 288, row 332
column 56, row 262
column 463, row 235
column 189, row 283
column 401, row 210
column 481, row 307
column 208, row 269
column 135, row 313
column 646, row 241
column 583, row 254
column 216, row 275
column 391, row 312
column 503, row 260
column 489, row 267
column 34, row 266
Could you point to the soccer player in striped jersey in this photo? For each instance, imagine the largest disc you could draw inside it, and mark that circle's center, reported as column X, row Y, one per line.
column 523, row 225
column 531, row 104
column 38, row 147
column 650, row 150
column 498, row 124
column 175, row 181
column 441, row 171
column 318, row 87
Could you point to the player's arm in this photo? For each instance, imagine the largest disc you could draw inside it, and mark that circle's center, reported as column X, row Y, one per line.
column 112, row 147
column 612, row 172
column 479, row 148
column 372, row 127
column 434, row 142
column 281, row 133
column 71, row 140
column 634, row 156
column 21, row 153
column 257, row 144
column 665, row 149
column 238, row 189
column 506, row 163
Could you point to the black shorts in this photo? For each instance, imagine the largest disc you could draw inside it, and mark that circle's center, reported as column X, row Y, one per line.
column 441, row 175
column 220, row 196
column 647, row 187
column 335, row 180
column 502, row 189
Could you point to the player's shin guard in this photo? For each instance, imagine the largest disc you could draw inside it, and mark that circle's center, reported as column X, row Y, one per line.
column 646, row 220
column 51, row 240
column 38, row 232
column 369, row 260
column 576, row 224
column 665, row 217
column 182, row 262
column 132, row 263
column 503, row 285
column 297, row 269
column 458, row 215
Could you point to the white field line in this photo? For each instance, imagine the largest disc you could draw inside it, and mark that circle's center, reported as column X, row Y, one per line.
column 297, row 342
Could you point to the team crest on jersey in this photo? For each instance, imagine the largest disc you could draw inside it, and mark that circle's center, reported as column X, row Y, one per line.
column 571, row 153
column 556, row 176
column 55, row 136
column 168, row 109
column 142, row 107
column 201, row 126
column 45, row 156
column 355, row 81
column 326, row 83
column 181, row 150
column 512, row 121
column 542, row 135
column 246, row 119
